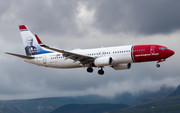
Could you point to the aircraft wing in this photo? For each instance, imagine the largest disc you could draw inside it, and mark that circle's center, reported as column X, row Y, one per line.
column 21, row 56
column 74, row 56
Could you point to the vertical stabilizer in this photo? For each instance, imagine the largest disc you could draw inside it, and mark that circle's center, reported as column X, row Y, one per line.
column 30, row 42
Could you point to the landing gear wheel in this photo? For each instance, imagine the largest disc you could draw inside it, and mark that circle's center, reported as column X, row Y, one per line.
column 157, row 65
column 101, row 72
column 90, row 69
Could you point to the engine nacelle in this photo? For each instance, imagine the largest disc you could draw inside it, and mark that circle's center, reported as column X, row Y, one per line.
column 122, row 66
column 103, row 61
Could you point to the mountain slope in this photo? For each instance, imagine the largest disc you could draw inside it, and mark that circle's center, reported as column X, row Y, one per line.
column 88, row 108
column 166, row 103
column 46, row 105
column 162, row 93
column 176, row 92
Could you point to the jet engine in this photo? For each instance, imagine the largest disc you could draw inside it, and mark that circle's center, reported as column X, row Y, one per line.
column 103, row 61
column 122, row 66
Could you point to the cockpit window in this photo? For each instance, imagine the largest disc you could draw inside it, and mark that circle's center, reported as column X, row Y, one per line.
column 162, row 48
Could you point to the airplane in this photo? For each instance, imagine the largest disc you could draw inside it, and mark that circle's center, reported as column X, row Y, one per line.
column 119, row 57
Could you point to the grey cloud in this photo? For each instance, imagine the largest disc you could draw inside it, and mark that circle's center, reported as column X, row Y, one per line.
column 56, row 17
column 142, row 17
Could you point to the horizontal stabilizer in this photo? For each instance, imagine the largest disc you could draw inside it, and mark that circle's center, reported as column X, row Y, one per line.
column 21, row 56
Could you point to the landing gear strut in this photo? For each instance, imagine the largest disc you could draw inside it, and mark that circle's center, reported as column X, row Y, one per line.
column 161, row 60
column 101, row 72
column 90, row 69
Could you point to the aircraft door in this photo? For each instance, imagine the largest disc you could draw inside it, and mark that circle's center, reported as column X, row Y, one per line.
column 152, row 51
column 100, row 54
column 44, row 59
column 103, row 53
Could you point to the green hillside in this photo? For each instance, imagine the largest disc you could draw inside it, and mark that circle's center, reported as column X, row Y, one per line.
column 46, row 105
column 166, row 105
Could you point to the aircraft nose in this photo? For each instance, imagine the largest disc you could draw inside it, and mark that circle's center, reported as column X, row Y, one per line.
column 170, row 52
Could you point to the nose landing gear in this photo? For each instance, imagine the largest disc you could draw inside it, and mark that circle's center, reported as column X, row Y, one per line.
column 157, row 65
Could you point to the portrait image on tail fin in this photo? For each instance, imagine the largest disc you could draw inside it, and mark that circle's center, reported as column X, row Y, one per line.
column 30, row 49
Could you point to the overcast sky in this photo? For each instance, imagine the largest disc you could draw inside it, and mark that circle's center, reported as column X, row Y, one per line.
column 70, row 24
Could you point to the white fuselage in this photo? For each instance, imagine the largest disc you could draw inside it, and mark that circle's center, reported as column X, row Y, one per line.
column 120, row 55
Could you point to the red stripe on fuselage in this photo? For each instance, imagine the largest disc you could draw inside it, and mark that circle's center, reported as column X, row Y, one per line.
column 151, row 52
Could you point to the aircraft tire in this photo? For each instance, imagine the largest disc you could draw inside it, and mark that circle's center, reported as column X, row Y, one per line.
column 100, row 72
column 157, row 65
column 90, row 69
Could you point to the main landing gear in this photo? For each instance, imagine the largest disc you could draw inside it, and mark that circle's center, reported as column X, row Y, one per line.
column 100, row 72
column 90, row 69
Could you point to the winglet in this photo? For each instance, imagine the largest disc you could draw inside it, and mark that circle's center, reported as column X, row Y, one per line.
column 23, row 28
column 38, row 40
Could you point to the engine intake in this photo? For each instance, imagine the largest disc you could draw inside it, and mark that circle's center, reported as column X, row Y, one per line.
column 122, row 66
column 103, row 61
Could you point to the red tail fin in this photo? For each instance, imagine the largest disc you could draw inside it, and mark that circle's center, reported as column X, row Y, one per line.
column 38, row 40
column 22, row 27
